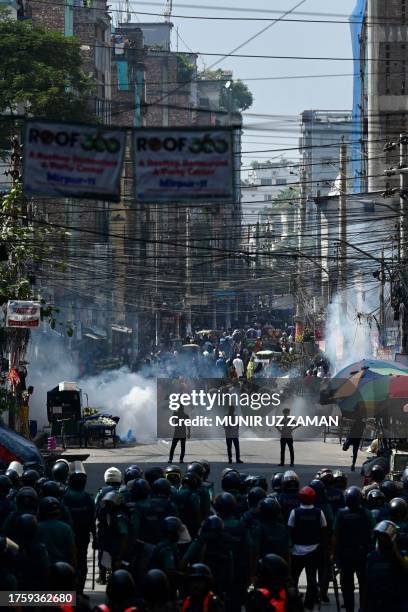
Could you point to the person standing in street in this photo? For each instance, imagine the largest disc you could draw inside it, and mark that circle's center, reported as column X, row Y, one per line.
column 181, row 433
column 239, row 366
column 286, row 439
column 232, row 435
column 354, row 439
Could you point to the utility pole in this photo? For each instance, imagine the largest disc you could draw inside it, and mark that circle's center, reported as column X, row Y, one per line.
column 403, row 241
column 342, row 280
column 300, row 314
column 382, row 300
column 189, row 322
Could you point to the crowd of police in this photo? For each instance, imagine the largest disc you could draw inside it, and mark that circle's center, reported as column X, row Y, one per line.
column 163, row 541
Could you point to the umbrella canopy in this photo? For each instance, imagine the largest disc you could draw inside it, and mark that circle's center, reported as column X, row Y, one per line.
column 371, row 367
column 14, row 447
column 381, row 366
column 371, row 393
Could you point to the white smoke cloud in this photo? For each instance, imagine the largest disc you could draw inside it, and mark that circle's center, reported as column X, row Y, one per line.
column 122, row 393
column 350, row 337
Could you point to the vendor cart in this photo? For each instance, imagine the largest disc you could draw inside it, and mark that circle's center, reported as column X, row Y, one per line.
column 98, row 429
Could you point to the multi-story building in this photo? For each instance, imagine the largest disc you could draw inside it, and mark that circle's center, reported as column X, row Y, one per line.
column 386, row 66
column 322, row 133
column 83, row 292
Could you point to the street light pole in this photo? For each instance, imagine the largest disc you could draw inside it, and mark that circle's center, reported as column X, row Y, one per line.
column 343, row 230
column 403, row 234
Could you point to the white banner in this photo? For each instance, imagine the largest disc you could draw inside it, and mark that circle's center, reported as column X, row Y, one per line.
column 75, row 161
column 182, row 165
column 23, row 314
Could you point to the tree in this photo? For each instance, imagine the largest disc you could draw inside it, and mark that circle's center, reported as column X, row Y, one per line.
column 41, row 75
column 237, row 97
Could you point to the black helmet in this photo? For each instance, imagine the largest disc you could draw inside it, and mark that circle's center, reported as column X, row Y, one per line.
column 249, row 482
column 389, row 488
column 173, row 474
column 212, row 525
column 5, row 485
column 227, row 470
column 153, row 473
column 27, row 499
column 62, row 577
column 375, row 499
column 121, row 586
column 191, row 480
column 273, row 568
column 26, row 528
column 132, row 472
column 172, row 526
column 261, row 481
column 377, row 473
column 50, row 508
column 290, row 481
column 340, row 479
column 269, row 509
column 196, row 468
column 404, row 478
column 276, row 482
column 14, row 477
column 255, row 495
column 225, row 504
column 231, row 481
column 161, row 488
column 138, row 489
column 206, row 466
column 200, row 570
column 52, row 488
column 326, row 476
column 77, row 475
column 29, row 478
column 320, row 490
column 156, row 587
column 354, row 498
column 39, row 484
column 60, row 471
column 398, row 509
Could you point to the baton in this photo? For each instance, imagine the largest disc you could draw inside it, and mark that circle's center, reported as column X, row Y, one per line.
column 335, row 587
column 93, row 567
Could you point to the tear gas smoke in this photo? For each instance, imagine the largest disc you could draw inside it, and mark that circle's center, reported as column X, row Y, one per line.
column 352, row 335
column 122, row 393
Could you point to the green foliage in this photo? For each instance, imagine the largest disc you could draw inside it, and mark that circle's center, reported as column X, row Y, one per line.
column 41, row 69
column 8, row 401
column 185, row 68
column 24, row 245
column 237, row 97
column 41, row 74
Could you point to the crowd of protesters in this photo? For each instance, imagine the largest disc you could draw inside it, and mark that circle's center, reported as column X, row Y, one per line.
column 164, row 541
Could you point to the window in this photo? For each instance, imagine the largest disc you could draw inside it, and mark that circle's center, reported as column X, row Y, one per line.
column 267, row 197
column 280, row 181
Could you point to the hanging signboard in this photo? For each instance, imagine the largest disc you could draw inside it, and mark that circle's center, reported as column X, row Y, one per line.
column 75, row 161
column 23, row 314
column 184, row 165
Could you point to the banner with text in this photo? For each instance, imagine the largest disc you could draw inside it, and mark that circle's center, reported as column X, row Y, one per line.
column 181, row 165
column 23, row 314
column 75, row 161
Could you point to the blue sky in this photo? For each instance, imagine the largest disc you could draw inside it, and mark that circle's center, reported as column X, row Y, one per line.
column 286, row 97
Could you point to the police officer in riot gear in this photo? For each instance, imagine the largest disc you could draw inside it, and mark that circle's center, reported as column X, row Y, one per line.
column 81, row 507
column 288, row 498
column 200, row 595
column 387, row 572
column 307, row 526
column 352, row 542
column 273, row 589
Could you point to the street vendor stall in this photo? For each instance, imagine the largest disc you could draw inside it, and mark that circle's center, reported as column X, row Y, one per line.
column 99, row 428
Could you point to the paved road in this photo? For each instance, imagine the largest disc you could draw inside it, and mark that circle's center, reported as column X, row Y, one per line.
column 260, row 456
